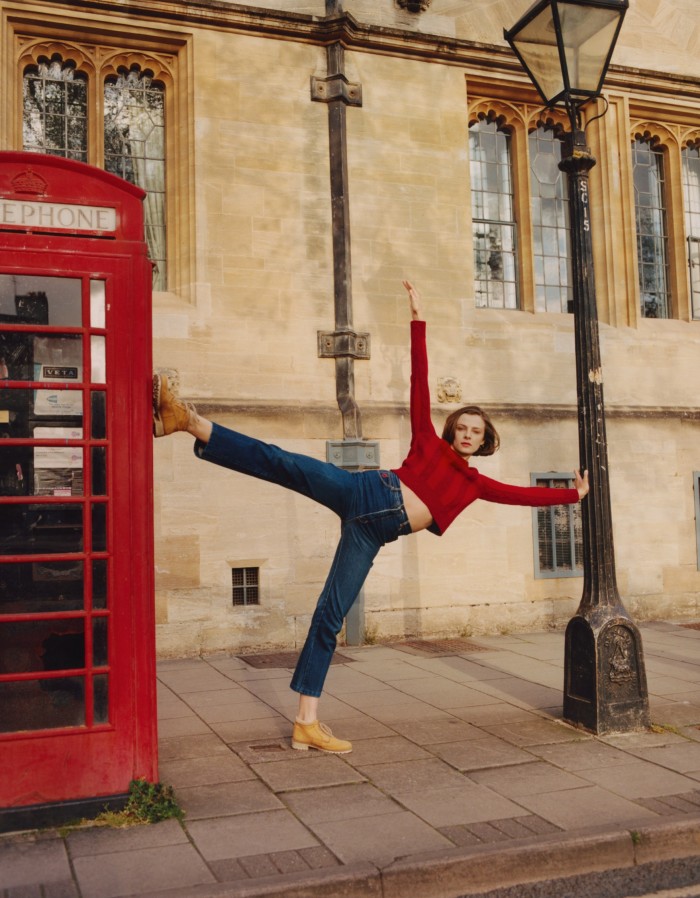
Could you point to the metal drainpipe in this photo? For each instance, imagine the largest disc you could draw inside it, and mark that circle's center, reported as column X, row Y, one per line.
column 343, row 344
column 342, row 264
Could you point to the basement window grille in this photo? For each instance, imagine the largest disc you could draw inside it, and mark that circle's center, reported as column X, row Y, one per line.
column 245, row 583
column 558, row 536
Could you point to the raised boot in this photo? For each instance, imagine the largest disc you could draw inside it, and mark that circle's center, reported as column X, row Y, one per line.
column 170, row 413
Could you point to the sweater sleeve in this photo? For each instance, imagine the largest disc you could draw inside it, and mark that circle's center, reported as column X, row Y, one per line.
column 533, row 496
column 420, row 391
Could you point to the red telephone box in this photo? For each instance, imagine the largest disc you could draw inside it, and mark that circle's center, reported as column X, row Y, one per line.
column 77, row 652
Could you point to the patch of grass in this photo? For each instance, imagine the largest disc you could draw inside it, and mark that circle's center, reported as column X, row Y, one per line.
column 636, row 837
column 147, row 803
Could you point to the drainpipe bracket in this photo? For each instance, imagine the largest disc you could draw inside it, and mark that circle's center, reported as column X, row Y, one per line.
column 336, row 87
column 343, row 345
column 353, row 455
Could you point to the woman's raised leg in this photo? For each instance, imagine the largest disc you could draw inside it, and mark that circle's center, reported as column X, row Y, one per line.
column 318, row 480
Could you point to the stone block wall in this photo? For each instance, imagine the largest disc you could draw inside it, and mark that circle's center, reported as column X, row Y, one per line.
column 245, row 345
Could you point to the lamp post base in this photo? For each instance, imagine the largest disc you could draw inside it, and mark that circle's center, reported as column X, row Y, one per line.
column 605, row 689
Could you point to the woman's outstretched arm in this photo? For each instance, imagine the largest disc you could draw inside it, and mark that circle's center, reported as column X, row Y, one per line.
column 420, row 391
column 414, row 299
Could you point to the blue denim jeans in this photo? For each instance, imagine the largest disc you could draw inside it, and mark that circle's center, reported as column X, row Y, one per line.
column 371, row 510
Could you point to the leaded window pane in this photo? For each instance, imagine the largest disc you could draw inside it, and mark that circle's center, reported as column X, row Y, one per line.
column 493, row 217
column 652, row 233
column 691, row 192
column 54, row 118
column 549, row 203
column 134, row 126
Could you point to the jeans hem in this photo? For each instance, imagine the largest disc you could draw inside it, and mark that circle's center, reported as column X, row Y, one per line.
column 299, row 691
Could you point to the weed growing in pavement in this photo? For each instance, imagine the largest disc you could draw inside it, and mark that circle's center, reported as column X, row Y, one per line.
column 666, row 728
column 147, row 803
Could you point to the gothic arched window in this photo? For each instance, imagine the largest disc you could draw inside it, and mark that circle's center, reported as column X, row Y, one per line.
column 652, row 231
column 691, row 193
column 134, row 149
column 55, row 105
column 63, row 113
column 551, row 228
column 493, row 216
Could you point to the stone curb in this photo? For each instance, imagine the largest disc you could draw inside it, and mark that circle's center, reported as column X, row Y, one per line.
column 361, row 880
column 679, row 837
column 474, row 870
column 484, row 868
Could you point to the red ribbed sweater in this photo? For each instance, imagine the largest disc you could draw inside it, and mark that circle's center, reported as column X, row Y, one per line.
column 442, row 478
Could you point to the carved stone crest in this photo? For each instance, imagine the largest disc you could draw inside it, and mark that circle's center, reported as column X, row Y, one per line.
column 449, row 390
column 414, row 5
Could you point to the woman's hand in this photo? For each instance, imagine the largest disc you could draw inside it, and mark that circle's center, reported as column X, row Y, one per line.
column 414, row 299
column 581, row 483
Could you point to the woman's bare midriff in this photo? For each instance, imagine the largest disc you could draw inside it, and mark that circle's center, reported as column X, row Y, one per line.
column 417, row 511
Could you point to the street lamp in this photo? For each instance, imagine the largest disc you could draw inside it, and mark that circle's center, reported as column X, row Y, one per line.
column 565, row 47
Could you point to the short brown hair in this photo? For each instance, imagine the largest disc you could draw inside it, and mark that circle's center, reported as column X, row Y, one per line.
column 491, row 439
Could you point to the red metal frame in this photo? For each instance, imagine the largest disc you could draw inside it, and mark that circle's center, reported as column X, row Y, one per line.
column 98, row 759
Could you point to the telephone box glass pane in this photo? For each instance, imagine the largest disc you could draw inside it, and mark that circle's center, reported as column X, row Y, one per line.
column 99, row 415
column 16, row 356
column 31, row 357
column 99, row 583
column 99, row 471
column 23, row 412
column 42, row 704
column 100, row 656
column 100, row 687
column 41, row 586
column 99, row 360
column 58, row 470
column 97, row 304
column 99, row 528
column 27, row 299
column 38, row 529
column 57, row 358
column 15, row 470
column 41, row 645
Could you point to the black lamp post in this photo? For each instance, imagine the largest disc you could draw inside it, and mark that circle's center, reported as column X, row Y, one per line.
column 565, row 47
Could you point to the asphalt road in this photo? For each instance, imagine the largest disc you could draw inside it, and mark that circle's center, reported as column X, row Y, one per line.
column 678, row 878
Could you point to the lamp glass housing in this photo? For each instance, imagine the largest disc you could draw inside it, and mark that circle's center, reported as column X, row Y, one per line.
column 566, row 46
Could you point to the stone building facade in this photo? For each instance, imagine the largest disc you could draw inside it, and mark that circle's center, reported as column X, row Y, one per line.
column 250, row 280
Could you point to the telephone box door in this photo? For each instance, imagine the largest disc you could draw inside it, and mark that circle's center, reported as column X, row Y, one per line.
column 77, row 656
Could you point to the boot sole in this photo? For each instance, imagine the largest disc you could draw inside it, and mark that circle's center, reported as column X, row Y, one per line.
column 303, row 746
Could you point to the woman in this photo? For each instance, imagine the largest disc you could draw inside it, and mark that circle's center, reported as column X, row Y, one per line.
column 432, row 486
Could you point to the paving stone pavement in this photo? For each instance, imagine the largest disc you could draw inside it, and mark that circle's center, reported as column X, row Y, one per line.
column 463, row 777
